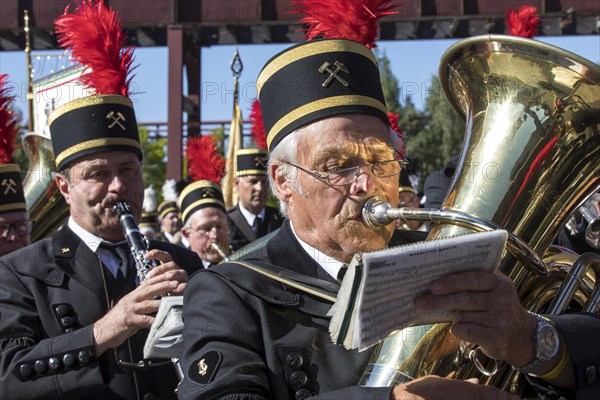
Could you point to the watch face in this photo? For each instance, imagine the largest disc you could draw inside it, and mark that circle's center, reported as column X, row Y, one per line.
column 548, row 342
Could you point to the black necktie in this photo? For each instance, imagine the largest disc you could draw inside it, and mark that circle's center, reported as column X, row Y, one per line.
column 256, row 223
column 123, row 255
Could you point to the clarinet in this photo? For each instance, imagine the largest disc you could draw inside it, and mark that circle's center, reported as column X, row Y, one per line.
column 138, row 243
column 139, row 247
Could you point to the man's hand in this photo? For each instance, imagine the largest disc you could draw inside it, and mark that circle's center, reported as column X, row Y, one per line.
column 436, row 388
column 486, row 311
column 134, row 311
column 167, row 270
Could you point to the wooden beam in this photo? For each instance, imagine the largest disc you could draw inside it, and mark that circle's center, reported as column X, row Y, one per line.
column 175, row 102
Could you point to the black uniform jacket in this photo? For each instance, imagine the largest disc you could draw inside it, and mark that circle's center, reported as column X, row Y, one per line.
column 249, row 337
column 241, row 233
column 51, row 293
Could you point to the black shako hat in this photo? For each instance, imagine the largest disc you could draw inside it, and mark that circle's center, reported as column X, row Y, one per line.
column 166, row 207
column 198, row 195
column 318, row 79
column 251, row 162
column 12, row 197
column 93, row 124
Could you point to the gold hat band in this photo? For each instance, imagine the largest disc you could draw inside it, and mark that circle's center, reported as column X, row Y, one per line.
column 97, row 143
column 318, row 105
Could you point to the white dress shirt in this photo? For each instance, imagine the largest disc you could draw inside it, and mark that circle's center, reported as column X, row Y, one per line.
column 329, row 264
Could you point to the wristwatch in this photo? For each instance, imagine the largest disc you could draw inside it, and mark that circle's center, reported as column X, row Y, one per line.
column 546, row 342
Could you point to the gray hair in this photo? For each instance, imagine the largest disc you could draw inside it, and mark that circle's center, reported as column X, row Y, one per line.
column 65, row 172
column 285, row 152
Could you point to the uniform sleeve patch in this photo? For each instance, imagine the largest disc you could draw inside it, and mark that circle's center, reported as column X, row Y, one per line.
column 204, row 369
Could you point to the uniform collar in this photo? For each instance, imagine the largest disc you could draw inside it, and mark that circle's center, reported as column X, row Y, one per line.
column 168, row 236
column 92, row 241
column 329, row 264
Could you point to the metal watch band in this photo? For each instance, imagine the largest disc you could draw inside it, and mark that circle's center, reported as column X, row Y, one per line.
column 539, row 359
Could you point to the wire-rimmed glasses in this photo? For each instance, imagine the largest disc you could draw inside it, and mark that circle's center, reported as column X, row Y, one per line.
column 347, row 176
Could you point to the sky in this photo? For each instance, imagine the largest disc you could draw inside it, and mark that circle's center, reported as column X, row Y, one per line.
column 413, row 62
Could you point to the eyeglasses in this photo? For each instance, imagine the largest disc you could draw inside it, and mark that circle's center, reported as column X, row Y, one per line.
column 347, row 176
column 220, row 230
column 22, row 228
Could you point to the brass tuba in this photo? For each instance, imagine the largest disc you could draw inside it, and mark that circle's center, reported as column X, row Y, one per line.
column 530, row 157
column 46, row 205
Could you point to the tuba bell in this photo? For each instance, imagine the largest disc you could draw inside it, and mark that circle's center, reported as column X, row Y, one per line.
column 530, row 158
column 46, row 205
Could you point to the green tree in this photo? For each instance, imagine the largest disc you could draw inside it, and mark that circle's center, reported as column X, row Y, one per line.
column 219, row 134
column 441, row 136
column 391, row 87
column 154, row 169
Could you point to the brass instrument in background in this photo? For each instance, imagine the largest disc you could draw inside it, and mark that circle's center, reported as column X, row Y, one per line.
column 45, row 204
column 531, row 156
column 220, row 252
column 590, row 213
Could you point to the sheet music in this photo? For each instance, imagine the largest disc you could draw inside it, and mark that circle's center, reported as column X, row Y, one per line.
column 391, row 279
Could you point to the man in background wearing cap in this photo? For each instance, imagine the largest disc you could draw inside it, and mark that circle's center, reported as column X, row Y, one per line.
column 205, row 224
column 75, row 315
column 251, row 218
column 15, row 226
column 170, row 222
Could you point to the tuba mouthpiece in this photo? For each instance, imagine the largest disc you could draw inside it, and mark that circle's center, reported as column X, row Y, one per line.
column 220, row 252
column 375, row 213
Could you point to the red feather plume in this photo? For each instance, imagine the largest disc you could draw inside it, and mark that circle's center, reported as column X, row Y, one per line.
column 204, row 160
column 351, row 19
column 93, row 33
column 258, row 127
column 9, row 123
column 524, row 23
column 394, row 124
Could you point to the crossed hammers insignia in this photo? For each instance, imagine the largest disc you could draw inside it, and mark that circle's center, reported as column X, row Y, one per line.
column 116, row 117
column 333, row 74
column 10, row 186
column 259, row 161
column 208, row 193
